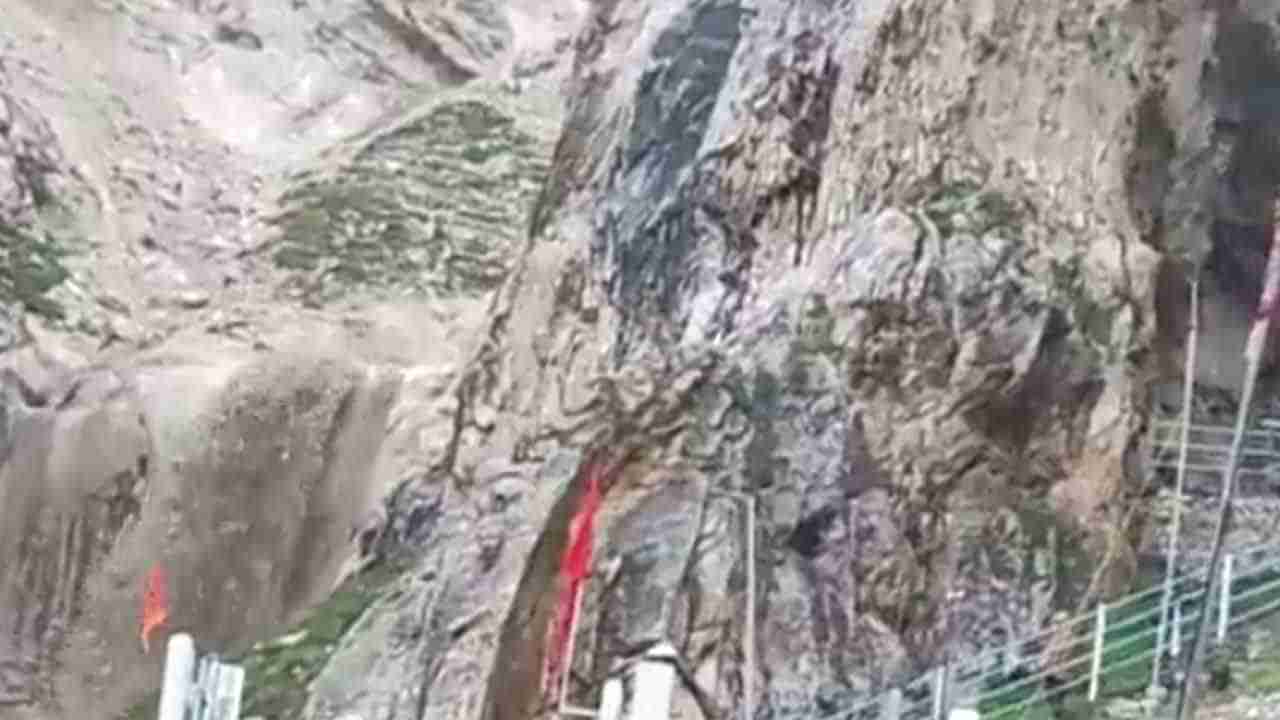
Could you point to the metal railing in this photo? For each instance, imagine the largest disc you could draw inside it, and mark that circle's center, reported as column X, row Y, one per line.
column 1115, row 644
column 1108, row 649
column 1207, row 449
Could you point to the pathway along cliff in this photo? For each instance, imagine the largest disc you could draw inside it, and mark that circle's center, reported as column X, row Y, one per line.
column 301, row 281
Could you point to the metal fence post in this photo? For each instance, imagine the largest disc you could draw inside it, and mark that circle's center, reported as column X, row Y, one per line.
column 201, row 695
column 1175, row 643
column 1157, row 656
column 1162, row 632
column 1224, row 605
column 939, row 691
column 223, row 694
column 570, row 645
column 1100, row 634
column 891, row 709
column 179, row 671
column 748, row 682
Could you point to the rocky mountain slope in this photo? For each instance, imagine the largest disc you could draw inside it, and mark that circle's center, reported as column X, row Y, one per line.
column 906, row 272
column 245, row 247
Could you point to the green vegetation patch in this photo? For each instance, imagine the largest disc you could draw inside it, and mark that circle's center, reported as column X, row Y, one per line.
column 1111, row 43
column 438, row 204
column 34, row 250
column 31, row 264
column 1262, row 676
column 968, row 207
column 277, row 673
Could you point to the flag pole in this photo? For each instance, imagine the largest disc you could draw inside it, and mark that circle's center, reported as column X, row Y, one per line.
column 1253, row 355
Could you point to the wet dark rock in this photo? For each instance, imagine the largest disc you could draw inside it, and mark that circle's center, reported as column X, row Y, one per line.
column 244, row 39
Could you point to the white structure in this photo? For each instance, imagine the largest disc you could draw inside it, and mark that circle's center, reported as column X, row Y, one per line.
column 654, row 679
column 179, row 675
column 611, row 700
column 204, row 690
column 964, row 715
column 216, row 695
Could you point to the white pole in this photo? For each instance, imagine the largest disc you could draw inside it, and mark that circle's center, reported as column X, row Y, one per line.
column 853, row 556
column 573, row 634
column 1175, row 642
column 1224, row 606
column 749, row 622
column 228, row 694
column 1255, row 347
column 206, row 680
column 748, row 682
column 939, row 687
column 1100, row 633
column 892, row 708
column 179, row 666
column 1188, row 398
column 654, row 684
column 611, row 700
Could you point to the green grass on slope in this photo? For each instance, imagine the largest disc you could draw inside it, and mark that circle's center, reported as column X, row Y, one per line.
column 277, row 673
column 438, row 204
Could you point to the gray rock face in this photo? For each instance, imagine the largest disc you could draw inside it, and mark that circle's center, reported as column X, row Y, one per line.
column 901, row 272
column 904, row 256
column 211, row 214
column 245, row 492
column 38, row 197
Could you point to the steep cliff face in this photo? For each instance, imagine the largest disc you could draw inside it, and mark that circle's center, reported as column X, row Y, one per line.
column 243, row 250
column 245, row 492
column 901, row 273
column 891, row 269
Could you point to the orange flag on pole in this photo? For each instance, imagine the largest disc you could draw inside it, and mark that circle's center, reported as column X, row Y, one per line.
column 155, row 604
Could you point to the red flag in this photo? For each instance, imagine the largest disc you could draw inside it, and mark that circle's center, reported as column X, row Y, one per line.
column 155, row 604
column 576, row 563
column 575, row 566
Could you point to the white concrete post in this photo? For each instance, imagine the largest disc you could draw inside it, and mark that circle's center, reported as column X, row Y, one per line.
column 654, row 681
column 939, row 691
column 1099, row 638
column 179, row 669
column 611, row 700
column 224, row 703
column 891, row 709
column 198, row 700
column 1224, row 598
column 573, row 637
column 964, row 715
column 748, row 510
